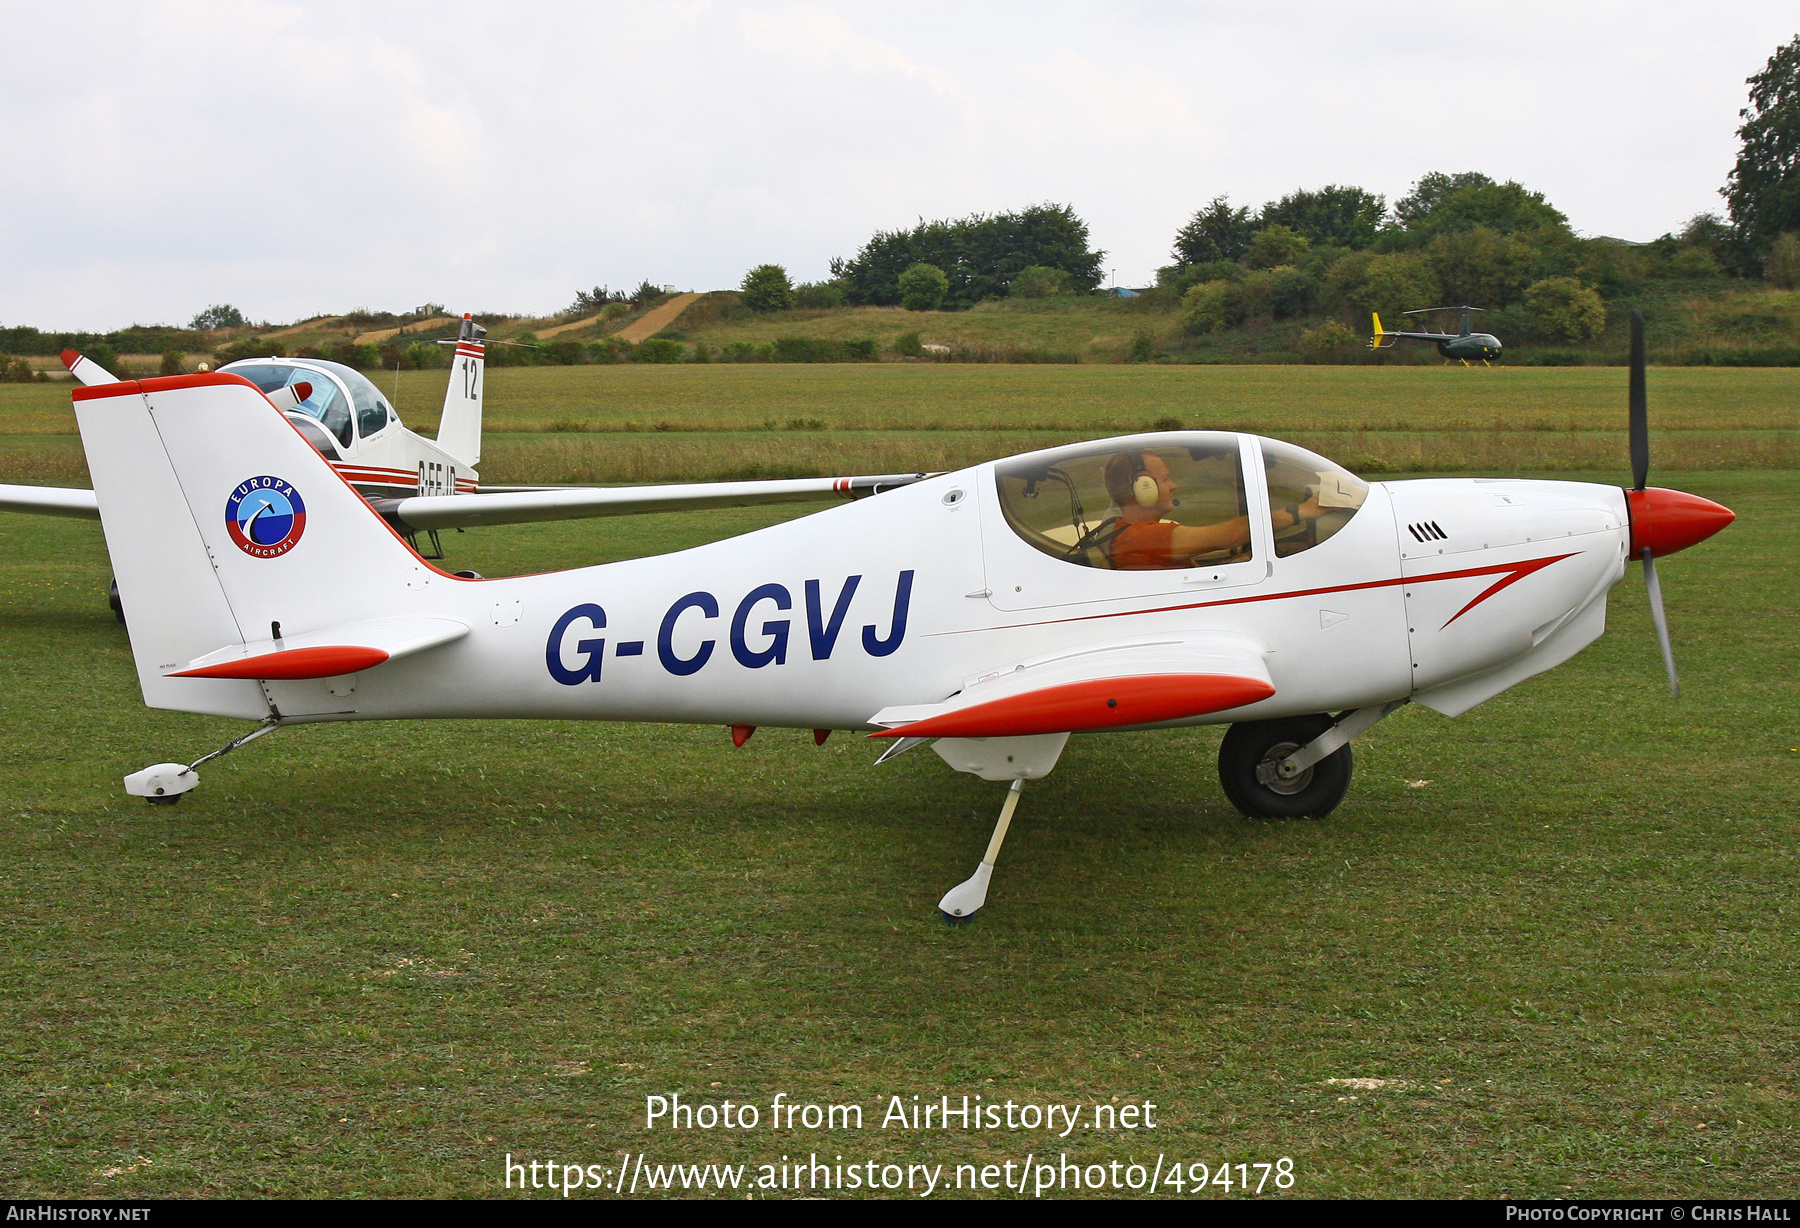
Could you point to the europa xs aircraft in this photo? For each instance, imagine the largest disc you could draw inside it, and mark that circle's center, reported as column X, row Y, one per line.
column 1158, row 580
column 411, row 480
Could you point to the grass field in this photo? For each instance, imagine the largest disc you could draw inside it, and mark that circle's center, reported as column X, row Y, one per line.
column 374, row 959
column 652, row 423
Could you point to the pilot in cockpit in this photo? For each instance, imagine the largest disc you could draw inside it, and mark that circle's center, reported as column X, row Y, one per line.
column 1139, row 538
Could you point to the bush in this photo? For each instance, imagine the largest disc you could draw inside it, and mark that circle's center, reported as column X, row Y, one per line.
column 362, row 357
column 608, row 351
column 1481, row 267
column 424, row 356
column 1562, row 309
column 1361, row 283
column 17, row 371
column 766, row 288
column 861, row 349
column 907, row 345
column 1291, row 292
column 743, row 351
column 1556, row 358
column 1037, row 281
column 613, row 311
column 171, row 362
column 922, row 287
column 1781, row 267
column 1209, row 307
column 1273, row 246
column 658, row 349
column 219, row 315
column 245, row 347
column 1330, row 338
column 1143, row 346
column 647, row 292
column 819, row 295
column 1694, row 263
column 564, row 353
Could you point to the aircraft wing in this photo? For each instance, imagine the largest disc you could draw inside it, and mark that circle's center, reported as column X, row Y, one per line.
column 1141, row 681
column 580, row 502
column 49, row 501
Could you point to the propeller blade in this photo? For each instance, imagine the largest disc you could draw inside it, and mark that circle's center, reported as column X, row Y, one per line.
column 1640, row 413
column 1653, row 587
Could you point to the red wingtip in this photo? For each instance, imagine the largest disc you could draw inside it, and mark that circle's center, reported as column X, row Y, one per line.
column 819, row 736
column 70, row 358
column 1664, row 521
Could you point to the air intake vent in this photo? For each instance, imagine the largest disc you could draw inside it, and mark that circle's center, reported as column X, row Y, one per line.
column 1427, row 531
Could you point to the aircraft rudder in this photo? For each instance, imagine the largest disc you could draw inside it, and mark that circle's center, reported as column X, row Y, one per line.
column 459, row 426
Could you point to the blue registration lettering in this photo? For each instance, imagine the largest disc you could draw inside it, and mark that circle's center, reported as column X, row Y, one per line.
column 824, row 634
column 902, row 600
column 708, row 605
column 594, row 650
column 777, row 629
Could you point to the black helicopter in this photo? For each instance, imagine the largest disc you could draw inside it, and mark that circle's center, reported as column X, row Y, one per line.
column 1464, row 345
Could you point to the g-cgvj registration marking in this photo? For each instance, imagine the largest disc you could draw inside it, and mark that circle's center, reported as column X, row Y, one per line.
column 265, row 516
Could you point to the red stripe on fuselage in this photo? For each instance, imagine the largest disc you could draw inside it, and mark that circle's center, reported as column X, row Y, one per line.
column 1510, row 573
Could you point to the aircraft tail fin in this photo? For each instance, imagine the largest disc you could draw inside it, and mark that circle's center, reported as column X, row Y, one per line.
column 225, row 527
column 1380, row 340
column 459, row 429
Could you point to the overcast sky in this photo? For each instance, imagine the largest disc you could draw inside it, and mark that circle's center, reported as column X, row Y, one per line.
column 294, row 158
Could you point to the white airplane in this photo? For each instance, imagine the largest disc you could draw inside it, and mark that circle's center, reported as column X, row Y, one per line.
column 409, row 478
column 1152, row 581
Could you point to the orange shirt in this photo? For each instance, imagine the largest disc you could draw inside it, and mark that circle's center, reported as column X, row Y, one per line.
column 1144, row 547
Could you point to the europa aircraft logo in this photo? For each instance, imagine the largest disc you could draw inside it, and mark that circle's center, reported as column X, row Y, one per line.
column 265, row 517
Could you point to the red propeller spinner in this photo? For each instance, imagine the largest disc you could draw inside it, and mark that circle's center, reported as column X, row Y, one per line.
column 1664, row 521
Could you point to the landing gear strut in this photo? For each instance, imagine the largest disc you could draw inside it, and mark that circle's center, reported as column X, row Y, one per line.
column 961, row 902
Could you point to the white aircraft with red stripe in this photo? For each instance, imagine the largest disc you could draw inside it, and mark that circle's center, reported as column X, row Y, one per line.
column 1161, row 580
column 423, row 485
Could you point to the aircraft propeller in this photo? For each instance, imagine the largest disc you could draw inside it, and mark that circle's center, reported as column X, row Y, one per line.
column 1662, row 521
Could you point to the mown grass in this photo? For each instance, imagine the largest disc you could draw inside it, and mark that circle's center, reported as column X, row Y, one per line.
column 373, row 959
column 646, row 423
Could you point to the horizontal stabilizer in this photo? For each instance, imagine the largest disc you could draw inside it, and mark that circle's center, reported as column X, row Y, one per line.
column 581, row 502
column 329, row 653
column 49, row 501
column 1120, row 683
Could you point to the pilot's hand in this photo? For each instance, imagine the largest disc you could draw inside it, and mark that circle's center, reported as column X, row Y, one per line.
column 1310, row 510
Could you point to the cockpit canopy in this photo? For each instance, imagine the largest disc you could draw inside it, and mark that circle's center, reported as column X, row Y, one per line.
column 345, row 402
column 1132, row 507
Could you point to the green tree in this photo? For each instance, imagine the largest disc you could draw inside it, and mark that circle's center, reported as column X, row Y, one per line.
column 1275, row 245
column 1209, row 307
column 766, row 288
column 219, row 315
column 1339, row 215
column 922, row 287
column 1431, row 189
column 1441, row 203
column 1562, row 309
column 1482, row 268
column 980, row 255
column 1781, row 267
column 1037, row 281
column 171, row 362
column 1762, row 193
column 1217, row 232
column 1392, row 283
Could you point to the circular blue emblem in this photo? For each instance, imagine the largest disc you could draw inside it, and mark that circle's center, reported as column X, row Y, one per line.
column 265, row 516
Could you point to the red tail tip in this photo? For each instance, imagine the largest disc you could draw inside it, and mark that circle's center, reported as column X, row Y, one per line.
column 1664, row 521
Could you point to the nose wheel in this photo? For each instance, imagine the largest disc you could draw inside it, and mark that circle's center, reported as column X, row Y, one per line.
column 1257, row 779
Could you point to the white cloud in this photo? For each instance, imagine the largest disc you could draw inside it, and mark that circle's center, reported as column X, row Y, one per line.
column 293, row 157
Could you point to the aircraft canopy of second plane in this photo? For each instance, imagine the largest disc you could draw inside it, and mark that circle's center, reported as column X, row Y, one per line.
column 1143, row 508
column 346, row 403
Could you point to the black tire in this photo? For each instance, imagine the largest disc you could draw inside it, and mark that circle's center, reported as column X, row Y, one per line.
column 112, row 599
column 1313, row 794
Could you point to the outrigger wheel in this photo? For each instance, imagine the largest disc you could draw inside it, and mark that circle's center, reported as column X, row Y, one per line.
column 1249, row 769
